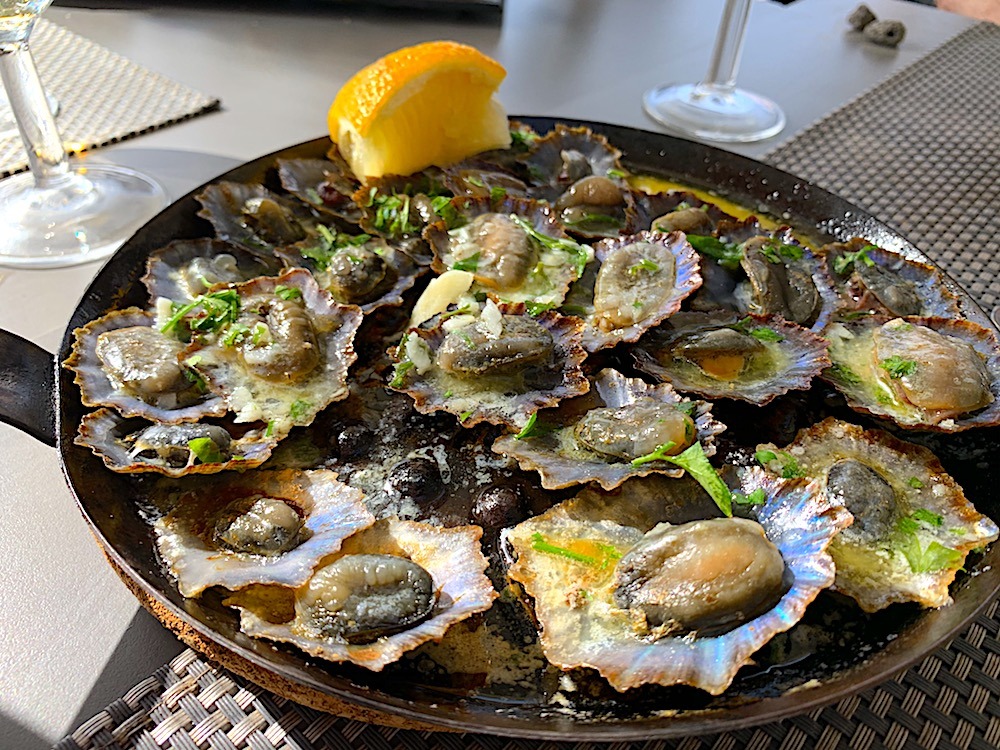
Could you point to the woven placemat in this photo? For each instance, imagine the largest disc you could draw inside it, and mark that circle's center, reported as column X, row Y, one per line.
column 103, row 97
column 919, row 151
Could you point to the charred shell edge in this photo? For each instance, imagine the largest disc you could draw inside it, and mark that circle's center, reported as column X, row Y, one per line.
column 540, row 454
column 983, row 340
column 179, row 253
column 90, row 376
column 810, row 361
column 333, row 512
column 460, row 581
column 566, row 334
column 687, row 279
column 100, row 429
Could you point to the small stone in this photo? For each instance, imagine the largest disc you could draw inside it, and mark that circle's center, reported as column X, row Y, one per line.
column 885, row 33
column 861, row 17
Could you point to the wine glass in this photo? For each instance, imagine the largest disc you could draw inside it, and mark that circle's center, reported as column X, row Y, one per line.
column 8, row 125
column 715, row 109
column 58, row 214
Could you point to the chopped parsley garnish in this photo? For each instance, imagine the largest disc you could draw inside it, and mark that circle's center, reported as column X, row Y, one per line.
column 464, row 415
column 270, row 429
column 774, row 252
column 595, row 219
column 935, row 556
column 399, row 373
column 330, row 243
column 497, row 193
column 694, row 461
column 287, row 292
column 728, row 255
column 444, row 208
column 787, row 466
column 467, row 264
column 844, row 374
column 897, row 367
column 193, row 376
column 522, row 138
column 844, row 263
column 617, row 173
column 643, row 265
column 235, row 335
column 473, row 180
column 915, row 483
column 763, row 333
column 299, row 409
column 217, row 309
column 534, row 428
column 205, row 450
column 579, row 255
column 537, row 308
column 757, row 497
column 926, row 516
column 392, row 213
column 608, row 554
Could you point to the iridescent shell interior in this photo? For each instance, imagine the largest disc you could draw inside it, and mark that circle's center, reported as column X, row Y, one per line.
column 582, row 626
column 720, row 355
column 448, row 364
column 205, row 540
column 913, row 526
column 185, row 269
column 132, row 445
column 562, row 459
column 452, row 557
column 123, row 361
column 937, row 374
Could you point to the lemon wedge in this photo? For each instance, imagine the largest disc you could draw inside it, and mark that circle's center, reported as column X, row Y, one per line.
column 428, row 104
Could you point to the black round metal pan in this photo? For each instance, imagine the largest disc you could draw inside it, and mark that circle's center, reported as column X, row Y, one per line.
column 40, row 398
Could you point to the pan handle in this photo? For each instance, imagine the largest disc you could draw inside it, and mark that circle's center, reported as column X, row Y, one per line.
column 27, row 387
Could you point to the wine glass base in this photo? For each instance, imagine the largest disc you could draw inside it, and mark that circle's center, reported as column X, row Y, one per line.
column 713, row 114
column 84, row 218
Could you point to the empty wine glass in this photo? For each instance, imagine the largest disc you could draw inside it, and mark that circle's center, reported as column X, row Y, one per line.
column 8, row 125
column 58, row 214
column 715, row 109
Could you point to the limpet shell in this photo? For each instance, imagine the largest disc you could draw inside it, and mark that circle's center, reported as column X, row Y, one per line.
column 552, row 167
column 600, row 329
column 328, row 186
column 254, row 217
column 284, row 405
column 562, row 461
column 331, row 512
column 924, row 282
column 180, row 270
column 873, row 560
column 498, row 398
column 581, row 626
column 652, row 206
column 451, row 555
column 113, row 438
column 541, row 278
column 868, row 385
column 97, row 388
column 789, row 359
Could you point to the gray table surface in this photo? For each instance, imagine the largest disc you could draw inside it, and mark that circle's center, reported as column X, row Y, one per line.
column 72, row 638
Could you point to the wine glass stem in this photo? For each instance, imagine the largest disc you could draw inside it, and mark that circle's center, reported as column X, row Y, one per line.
column 721, row 75
column 46, row 154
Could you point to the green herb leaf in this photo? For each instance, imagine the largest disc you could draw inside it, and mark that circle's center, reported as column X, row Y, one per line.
column 579, row 255
column 287, row 292
column 235, row 335
column 392, row 214
column 695, row 462
column 534, row 428
column 765, row 457
column 727, row 255
column 537, row 308
column 935, row 556
column 208, row 313
column 616, row 173
column 843, row 263
column 444, row 208
column 205, row 450
column 522, row 139
column 497, row 193
column 609, row 554
column 926, row 516
column 643, row 265
column 897, row 367
column 659, row 454
column 465, row 415
column 788, row 466
column 757, row 497
column 595, row 219
column 467, row 264
column 763, row 333
column 299, row 409
column 915, row 483
column 843, row 373
column 399, row 373
column 270, row 429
